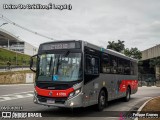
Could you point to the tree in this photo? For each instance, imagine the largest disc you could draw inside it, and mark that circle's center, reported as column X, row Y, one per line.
column 133, row 52
column 116, row 46
column 120, row 47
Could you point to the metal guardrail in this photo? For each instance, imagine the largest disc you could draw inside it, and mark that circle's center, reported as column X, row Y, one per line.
column 4, row 67
column 13, row 68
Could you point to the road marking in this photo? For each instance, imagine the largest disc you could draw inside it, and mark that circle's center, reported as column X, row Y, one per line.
column 19, row 96
column 17, row 93
column 16, row 96
column 5, row 98
column 30, row 95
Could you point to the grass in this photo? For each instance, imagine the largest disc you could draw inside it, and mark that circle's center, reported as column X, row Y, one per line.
column 7, row 55
column 152, row 106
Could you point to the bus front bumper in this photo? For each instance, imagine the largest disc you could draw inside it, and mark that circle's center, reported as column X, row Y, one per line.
column 73, row 102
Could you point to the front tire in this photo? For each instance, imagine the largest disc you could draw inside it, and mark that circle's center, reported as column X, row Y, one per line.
column 101, row 100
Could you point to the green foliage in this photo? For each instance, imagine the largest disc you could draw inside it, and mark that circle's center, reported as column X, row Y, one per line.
column 133, row 52
column 154, row 62
column 116, row 46
column 6, row 55
column 120, row 47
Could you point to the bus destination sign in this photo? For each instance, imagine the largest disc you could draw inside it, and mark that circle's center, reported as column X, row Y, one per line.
column 55, row 46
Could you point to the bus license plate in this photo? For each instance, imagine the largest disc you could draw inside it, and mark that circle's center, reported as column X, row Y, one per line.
column 50, row 101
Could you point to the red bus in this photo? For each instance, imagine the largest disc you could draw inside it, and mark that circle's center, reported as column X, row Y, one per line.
column 76, row 73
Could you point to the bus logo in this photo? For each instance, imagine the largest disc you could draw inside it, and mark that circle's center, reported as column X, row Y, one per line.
column 50, row 93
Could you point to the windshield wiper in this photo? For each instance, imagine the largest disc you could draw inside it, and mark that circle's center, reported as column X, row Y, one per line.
column 50, row 65
column 55, row 65
column 58, row 63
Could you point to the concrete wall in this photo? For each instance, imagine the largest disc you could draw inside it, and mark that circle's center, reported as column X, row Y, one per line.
column 151, row 53
column 157, row 72
column 14, row 78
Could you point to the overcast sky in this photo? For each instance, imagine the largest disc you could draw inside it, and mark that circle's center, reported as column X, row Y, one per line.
column 137, row 22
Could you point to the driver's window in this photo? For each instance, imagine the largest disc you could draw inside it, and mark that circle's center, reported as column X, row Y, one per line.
column 33, row 63
column 92, row 65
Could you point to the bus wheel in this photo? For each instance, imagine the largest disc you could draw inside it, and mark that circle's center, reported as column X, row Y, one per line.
column 101, row 100
column 128, row 95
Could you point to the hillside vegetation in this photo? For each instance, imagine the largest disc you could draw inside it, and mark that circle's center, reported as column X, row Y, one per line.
column 7, row 55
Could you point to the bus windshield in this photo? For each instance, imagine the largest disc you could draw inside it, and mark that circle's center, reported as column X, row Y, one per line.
column 60, row 67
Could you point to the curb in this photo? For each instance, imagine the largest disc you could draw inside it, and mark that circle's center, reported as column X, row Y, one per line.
column 146, row 86
column 140, row 109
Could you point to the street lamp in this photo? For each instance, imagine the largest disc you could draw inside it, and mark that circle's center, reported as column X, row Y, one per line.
column 3, row 24
column 8, row 39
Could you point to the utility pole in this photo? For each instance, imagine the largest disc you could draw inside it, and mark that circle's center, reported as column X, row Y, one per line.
column 1, row 26
column 8, row 45
column 16, row 58
column 16, row 50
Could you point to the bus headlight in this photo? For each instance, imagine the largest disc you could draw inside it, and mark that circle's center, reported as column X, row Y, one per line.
column 72, row 103
column 76, row 92
column 71, row 94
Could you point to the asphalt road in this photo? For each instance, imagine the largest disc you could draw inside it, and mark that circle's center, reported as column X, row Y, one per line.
column 22, row 95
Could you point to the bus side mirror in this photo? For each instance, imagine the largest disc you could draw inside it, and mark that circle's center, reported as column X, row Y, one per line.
column 33, row 61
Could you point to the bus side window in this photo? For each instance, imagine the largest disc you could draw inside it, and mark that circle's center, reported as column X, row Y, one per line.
column 105, row 64
column 127, row 69
column 121, row 63
column 113, row 60
column 92, row 65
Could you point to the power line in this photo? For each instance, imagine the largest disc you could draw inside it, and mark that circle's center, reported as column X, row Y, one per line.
column 24, row 28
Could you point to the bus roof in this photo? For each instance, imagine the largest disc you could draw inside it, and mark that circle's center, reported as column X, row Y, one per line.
column 112, row 52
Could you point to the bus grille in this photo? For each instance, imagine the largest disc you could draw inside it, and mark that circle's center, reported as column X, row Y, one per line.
column 53, row 86
column 58, row 100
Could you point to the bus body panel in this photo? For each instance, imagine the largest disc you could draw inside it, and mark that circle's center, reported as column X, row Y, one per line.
column 115, row 86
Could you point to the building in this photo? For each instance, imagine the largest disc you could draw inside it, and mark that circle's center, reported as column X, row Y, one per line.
column 12, row 42
column 152, row 53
